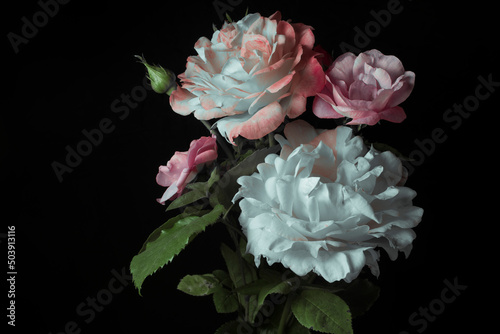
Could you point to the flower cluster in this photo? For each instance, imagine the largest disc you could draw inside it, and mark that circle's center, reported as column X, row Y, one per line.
column 321, row 202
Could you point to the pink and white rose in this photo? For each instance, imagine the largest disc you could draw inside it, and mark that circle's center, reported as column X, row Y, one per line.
column 250, row 75
column 183, row 167
column 367, row 88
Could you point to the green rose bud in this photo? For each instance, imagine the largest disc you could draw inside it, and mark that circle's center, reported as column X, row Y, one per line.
column 162, row 80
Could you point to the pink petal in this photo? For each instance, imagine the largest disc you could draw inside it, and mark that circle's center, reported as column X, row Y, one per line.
column 402, row 88
column 300, row 132
column 394, row 114
column 179, row 101
column 285, row 29
column 341, row 69
column 311, row 79
column 304, row 35
column 339, row 97
column 274, row 88
column 323, row 109
column 205, row 157
column 361, row 91
column 391, row 64
column 170, row 173
column 382, row 77
column 216, row 106
column 359, row 68
column 294, row 105
column 381, row 100
column 363, row 117
column 328, row 138
column 263, row 122
column 253, row 42
column 177, row 188
column 276, row 16
column 197, row 150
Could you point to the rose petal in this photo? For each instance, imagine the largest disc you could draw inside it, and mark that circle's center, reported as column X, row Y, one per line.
column 402, row 88
column 254, row 126
column 179, row 101
column 341, row 68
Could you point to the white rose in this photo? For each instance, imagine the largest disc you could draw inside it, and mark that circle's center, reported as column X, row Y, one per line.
column 326, row 204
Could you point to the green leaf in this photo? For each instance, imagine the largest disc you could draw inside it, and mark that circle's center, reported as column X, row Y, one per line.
column 199, row 285
column 225, row 301
column 198, row 191
column 282, row 288
column 297, row 328
column 228, row 328
column 187, row 198
column 223, row 277
column 241, row 273
column 168, row 241
column 243, row 250
column 322, row 311
column 227, row 185
column 360, row 295
column 253, row 288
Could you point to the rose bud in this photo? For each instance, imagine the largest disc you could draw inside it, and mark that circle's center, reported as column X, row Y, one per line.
column 162, row 80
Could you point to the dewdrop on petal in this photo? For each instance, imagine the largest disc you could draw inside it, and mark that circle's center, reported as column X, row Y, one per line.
column 162, row 80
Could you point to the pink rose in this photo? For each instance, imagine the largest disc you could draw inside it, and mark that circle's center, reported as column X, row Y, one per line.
column 251, row 74
column 366, row 88
column 184, row 166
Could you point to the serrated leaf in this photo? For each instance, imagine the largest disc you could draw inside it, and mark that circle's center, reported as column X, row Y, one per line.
column 199, row 285
column 241, row 273
column 296, row 328
column 185, row 199
column 322, row 311
column 164, row 244
column 225, row 301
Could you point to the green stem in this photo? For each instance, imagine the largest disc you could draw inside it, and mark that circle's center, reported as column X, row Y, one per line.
column 285, row 315
column 233, row 231
column 207, row 125
column 272, row 142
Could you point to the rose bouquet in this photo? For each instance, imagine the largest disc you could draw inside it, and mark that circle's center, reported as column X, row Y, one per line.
column 316, row 205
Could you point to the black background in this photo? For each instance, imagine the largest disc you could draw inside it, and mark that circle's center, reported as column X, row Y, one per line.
column 70, row 235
